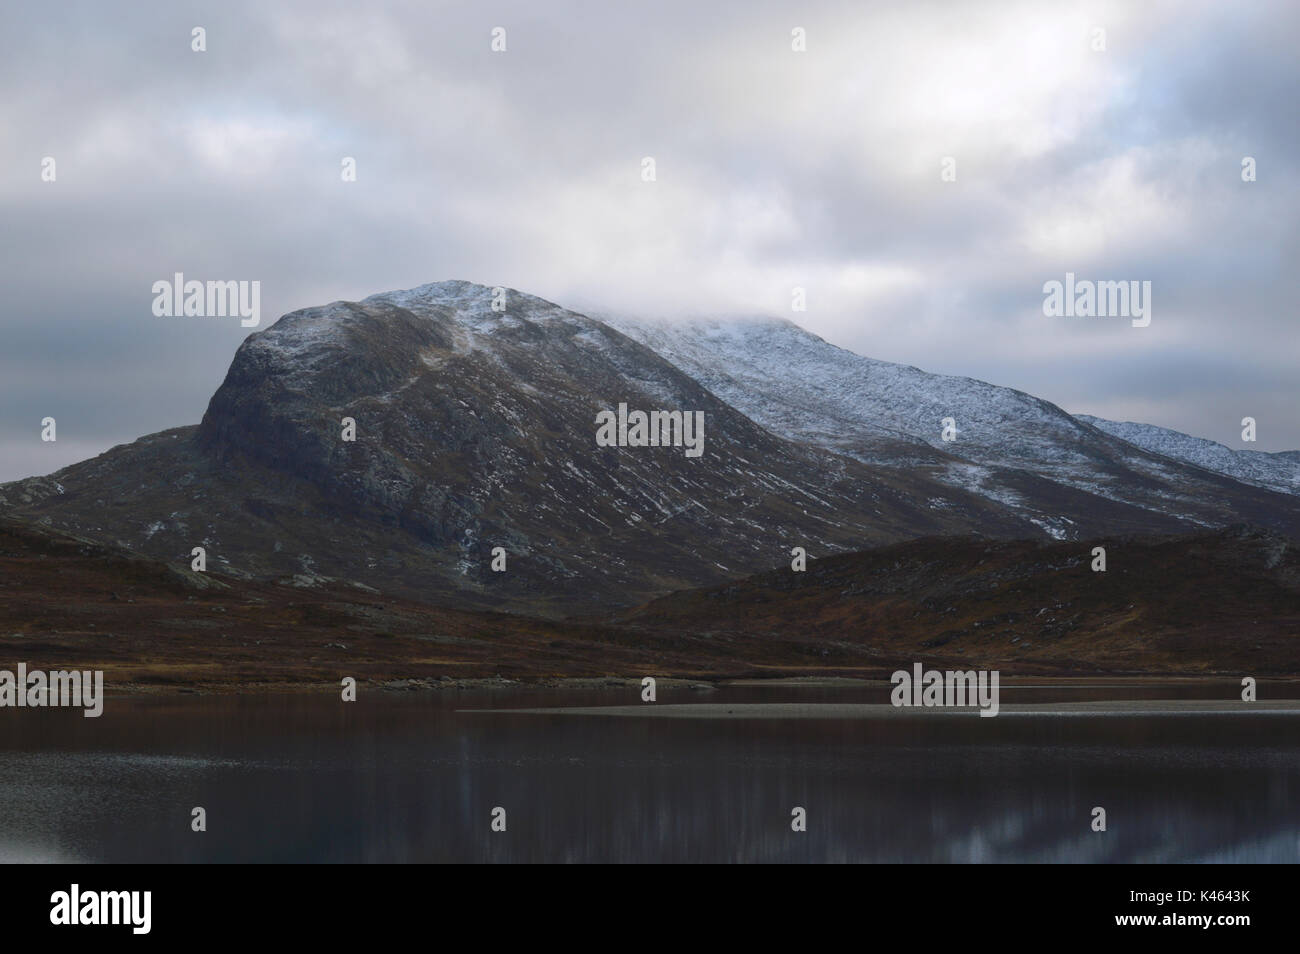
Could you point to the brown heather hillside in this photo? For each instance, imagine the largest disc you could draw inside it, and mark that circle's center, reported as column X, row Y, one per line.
column 67, row 602
column 1225, row 602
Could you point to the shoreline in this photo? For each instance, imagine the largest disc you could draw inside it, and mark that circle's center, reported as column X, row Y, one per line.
column 1231, row 683
column 786, row 711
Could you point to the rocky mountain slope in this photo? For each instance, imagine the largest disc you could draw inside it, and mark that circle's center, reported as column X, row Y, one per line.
column 1278, row 471
column 476, row 429
column 1024, row 453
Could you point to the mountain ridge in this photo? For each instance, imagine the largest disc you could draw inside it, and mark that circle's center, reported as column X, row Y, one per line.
column 805, row 388
column 1276, row 470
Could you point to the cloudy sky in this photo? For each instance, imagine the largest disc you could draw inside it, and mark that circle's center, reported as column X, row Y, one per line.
column 775, row 169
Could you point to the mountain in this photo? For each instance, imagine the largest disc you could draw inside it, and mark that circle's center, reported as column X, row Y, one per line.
column 477, row 429
column 1277, row 471
column 1024, row 453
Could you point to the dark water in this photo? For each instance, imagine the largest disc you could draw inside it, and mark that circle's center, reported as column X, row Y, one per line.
column 406, row 777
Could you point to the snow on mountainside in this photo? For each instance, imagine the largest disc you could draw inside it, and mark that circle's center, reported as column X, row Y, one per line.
column 795, row 383
column 1008, row 442
column 1280, row 471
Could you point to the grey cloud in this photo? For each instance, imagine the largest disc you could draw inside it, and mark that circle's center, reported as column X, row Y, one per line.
column 522, row 169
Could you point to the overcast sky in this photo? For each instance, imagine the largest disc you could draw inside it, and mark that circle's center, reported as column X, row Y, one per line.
column 775, row 169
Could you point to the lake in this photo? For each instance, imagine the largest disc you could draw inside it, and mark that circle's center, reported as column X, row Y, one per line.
column 414, row 777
